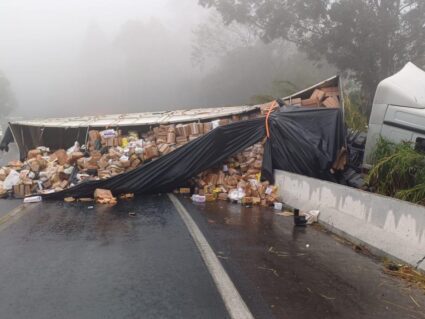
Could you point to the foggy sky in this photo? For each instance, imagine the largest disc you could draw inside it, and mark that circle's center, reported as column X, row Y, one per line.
column 89, row 57
column 41, row 44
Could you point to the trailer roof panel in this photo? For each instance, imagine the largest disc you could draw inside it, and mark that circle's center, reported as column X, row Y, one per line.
column 135, row 119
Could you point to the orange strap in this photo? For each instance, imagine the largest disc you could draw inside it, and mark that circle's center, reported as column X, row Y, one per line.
column 275, row 104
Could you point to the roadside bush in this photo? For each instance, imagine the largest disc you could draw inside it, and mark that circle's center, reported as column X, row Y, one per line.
column 398, row 171
column 354, row 118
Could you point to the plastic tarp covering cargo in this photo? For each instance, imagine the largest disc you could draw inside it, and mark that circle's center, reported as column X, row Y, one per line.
column 303, row 141
column 7, row 139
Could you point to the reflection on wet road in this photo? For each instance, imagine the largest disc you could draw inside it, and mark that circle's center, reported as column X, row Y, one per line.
column 138, row 260
column 79, row 261
column 294, row 272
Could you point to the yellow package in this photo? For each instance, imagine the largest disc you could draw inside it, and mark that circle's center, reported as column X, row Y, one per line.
column 124, row 142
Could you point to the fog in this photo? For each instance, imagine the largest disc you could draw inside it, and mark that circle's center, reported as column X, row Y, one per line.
column 82, row 57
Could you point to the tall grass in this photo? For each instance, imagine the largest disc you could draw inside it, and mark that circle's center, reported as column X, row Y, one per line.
column 398, row 171
column 354, row 118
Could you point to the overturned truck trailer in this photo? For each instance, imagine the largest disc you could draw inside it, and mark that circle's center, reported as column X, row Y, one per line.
column 303, row 133
column 57, row 133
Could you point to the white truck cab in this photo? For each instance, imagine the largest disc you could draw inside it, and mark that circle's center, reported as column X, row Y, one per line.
column 398, row 111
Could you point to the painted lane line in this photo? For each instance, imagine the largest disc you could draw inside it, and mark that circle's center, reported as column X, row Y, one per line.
column 233, row 301
column 13, row 216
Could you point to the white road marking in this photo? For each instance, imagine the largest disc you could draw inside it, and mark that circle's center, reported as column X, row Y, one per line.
column 233, row 301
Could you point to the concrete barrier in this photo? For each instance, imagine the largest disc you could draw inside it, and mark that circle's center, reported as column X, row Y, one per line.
column 387, row 226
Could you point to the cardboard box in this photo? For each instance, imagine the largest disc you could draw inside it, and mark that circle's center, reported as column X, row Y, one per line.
column 310, row 103
column 210, row 197
column 164, row 149
column 104, row 196
column 193, row 137
column 61, row 156
column 33, row 154
column 295, row 102
column 171, row 138
column 318, row 95
column 150, row 152
column 223, row 196
column 184, row 190
column 63, row 184
column 331, row 102
column 194, row 129
column 182, row 130
column 207, row 127
column 247, row 200
column 256, row 201
column 22, row 190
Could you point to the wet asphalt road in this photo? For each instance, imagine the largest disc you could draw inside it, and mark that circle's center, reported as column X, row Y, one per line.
column 68, row 261
column 8, row 205
column 286, row 272
column 72, row 261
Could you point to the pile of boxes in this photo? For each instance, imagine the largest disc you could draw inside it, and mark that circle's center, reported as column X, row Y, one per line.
column 238, row 180
column 326, row 97
column 110, row 152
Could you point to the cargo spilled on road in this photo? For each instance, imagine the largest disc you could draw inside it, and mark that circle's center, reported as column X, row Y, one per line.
column 224, row 153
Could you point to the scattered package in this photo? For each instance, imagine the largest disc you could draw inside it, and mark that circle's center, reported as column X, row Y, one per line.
column 312, row 216
column 104, row 196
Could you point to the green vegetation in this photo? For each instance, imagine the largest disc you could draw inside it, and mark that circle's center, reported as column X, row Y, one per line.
column 378, row 38
column 355, row 119
column 398, row 171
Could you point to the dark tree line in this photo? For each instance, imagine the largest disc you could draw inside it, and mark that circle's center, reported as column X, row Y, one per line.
column 367, row 39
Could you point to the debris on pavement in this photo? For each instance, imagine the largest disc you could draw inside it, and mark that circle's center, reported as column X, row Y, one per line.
column 299, row 220
column 405, row 272
column 86, row 199
column 32, row 199
column 198, row 198
column 311, row 216
column 104, row 196
column 128, row 196
column 285, row 214
column 278, row 206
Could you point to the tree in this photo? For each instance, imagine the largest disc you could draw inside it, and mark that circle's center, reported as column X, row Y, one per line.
column 213, row 40
column 367, row 39
column 239, row 68
column 7, row 99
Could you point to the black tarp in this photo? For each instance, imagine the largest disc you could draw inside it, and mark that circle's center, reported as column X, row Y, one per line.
column 6, row 140
column 304, row 141
column 28, row 137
